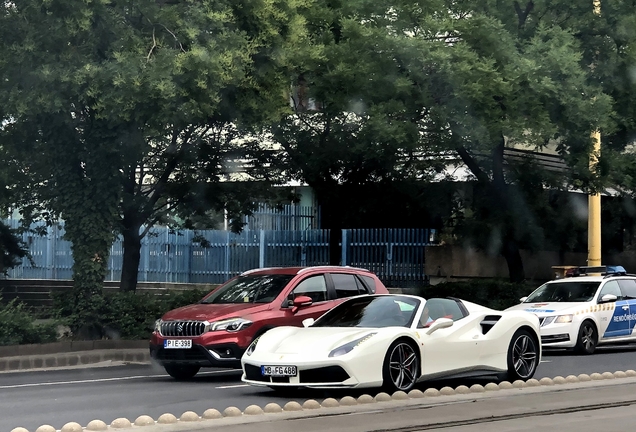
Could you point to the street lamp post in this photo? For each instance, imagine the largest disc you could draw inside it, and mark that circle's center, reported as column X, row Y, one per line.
column 594, row 199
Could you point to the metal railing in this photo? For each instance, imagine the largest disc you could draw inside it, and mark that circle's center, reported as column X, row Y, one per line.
column 214, row 256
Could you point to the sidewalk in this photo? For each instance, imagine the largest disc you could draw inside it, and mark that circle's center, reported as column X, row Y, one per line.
column 514, row 409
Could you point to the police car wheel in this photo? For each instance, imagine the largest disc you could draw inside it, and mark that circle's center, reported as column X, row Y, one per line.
column 587, row 338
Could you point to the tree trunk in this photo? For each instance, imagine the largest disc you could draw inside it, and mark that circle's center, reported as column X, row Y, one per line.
column 511, row 253
column 131, row 259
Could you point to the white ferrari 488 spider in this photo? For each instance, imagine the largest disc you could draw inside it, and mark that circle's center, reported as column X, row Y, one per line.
column 395, row 341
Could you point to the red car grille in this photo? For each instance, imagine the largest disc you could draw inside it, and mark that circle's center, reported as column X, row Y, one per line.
column 182, row 328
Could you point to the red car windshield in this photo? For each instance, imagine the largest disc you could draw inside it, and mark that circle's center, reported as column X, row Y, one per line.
column 250, row 289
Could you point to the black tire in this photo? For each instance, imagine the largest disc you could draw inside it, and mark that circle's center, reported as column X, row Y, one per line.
column 182, row 372
column 587, row 339
column 523, row 356
column 401, row 368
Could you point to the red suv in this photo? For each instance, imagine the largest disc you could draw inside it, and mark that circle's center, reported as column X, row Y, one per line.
column 216, row 331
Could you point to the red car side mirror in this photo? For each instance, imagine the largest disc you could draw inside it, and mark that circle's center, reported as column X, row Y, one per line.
column 301, row 301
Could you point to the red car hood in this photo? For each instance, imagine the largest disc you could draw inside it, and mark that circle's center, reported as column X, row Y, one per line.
column 213, row 312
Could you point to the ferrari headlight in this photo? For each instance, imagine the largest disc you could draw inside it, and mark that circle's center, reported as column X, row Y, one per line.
column 231, row 325
column 346, row 348
column 158, row 325
column 561, row 319
column 252, row 347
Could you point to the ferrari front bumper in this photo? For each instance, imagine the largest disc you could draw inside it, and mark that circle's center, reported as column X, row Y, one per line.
column 328, row 374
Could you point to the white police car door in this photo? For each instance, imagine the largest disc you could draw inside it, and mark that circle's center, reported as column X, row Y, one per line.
column 628, row 286
column 618, row 325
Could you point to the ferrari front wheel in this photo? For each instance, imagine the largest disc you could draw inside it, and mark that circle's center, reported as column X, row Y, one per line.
column 523, row 356
column 401, row 367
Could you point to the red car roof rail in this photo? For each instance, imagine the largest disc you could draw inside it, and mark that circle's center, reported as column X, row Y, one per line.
column 326, row 267
column 246, row 272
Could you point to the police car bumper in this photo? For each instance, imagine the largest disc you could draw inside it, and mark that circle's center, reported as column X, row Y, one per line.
column 558, row 336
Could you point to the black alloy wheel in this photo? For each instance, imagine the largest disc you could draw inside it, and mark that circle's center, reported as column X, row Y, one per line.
column 401, row 367
column 523, row 356
column 587, row 338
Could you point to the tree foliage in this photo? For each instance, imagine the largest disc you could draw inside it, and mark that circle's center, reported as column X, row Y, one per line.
column 11, row 248
column 118, row 115
column 405, row 88
column 119, row 109
column 110, row 107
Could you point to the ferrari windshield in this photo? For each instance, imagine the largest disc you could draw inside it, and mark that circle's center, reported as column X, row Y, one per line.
column 564, row 292
column 250, row 289
column 368, row 311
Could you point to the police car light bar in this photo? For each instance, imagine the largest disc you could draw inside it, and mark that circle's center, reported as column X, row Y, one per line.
column 603, row 270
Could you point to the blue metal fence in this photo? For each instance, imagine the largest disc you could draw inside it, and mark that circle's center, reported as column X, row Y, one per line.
column 395, row 255
column 289, row 217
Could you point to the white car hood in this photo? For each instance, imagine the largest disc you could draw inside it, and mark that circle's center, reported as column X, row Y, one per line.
column 297, row 340
column 548, row 309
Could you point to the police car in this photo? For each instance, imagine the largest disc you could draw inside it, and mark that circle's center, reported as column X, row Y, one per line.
column 585, row 310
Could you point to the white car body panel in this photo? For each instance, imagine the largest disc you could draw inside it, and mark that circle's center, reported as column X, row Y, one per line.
column 615, row 321
column 462, row 348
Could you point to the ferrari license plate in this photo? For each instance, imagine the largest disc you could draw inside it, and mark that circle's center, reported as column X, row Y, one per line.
column 279, row 371
column 177, row 343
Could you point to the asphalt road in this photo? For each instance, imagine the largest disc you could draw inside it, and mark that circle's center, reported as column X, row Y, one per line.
column 30, row 399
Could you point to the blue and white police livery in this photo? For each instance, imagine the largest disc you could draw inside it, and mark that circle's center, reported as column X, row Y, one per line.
column 585, row 311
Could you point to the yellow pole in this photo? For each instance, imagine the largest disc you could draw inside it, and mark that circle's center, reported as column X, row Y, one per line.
column 594, row 200
column 594, row 212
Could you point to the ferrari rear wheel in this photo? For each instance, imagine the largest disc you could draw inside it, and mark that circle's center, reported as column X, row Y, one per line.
column 401, row 367
column 523, row 356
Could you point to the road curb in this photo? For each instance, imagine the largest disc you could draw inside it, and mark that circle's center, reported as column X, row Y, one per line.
column 192, row 421
column 75, row 358
column 70, row 347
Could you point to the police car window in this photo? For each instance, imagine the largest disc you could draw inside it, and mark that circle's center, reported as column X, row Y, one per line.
column 628, row 286
column 611, row 287
column 564, row 292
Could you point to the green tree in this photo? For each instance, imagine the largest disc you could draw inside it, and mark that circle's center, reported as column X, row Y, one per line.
column 11, row 248
column 454, row 80
column 108, row 105
column 352, row 132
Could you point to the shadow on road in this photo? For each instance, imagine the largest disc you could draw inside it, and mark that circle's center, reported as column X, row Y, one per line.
column 304, row 394
column 233, row 377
